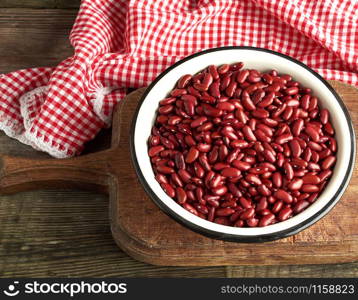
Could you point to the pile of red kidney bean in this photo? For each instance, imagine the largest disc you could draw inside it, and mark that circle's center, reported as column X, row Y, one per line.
column 242, row 148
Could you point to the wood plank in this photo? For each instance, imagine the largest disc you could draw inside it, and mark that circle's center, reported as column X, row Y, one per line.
column 40, row 3
column 328, row 271
column 33, row 38
column 67, row 234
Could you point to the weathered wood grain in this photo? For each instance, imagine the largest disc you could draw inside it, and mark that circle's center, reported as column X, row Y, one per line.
column 33, row 38
column 66, row 233
column 40, row 3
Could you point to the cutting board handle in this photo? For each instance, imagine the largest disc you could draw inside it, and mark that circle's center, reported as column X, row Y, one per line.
column 91, row 171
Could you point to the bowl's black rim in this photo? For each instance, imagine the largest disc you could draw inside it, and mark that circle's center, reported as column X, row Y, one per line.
column 234, row 237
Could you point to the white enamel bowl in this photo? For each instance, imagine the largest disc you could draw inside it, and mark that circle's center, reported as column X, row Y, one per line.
column 262, row 60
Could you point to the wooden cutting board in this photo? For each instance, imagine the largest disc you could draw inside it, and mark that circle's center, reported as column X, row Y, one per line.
column 142, row 230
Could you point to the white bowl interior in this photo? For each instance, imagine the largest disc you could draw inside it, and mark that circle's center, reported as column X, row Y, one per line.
column 262, row 61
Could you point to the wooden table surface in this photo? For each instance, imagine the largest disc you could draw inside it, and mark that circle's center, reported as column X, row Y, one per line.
column 66, row 233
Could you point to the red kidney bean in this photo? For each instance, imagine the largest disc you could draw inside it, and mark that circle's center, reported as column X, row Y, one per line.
column 253, row 179
column 249, row 135
column 313, row 133
column 289, row 173
column 153, row 151
column 311, row 179
column 283, row 195
column 309, row 188
column 161, row 178
column 176, row 179
column 277, row 179
column 220, row 190
column 297, row 127
column 277, row 206
column 241, row 165
column 168, row 189
column 184, row 175
column 164, row 169
column 230, row 172
column 295, row 184
column 198, row 122
column 313, row 166
column 183, row 81
column 328, row 162
column 192, row 155
column 263, row 132
column 300, row 206
column 181, row 195
column 295, row 148
column 285, row 213
column 284, row 138
column 264, row 190
column 325, row 175
column 154, row 140
column 329, row 129
column 247, row 103
column 313, row 103
column 266, row 220
column 224, row 212
column 248, row 213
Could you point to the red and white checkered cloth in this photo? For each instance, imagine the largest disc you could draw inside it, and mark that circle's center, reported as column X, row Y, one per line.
column 122, row 44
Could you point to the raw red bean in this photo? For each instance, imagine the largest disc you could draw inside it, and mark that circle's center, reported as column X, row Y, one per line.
column 184, row 175
column 283, row 195
column 249, row 135
column 277, row 207
column 242, row 76
column 192, row 155
column 264, row 190
column 284, row 138
column 311, row 179
column 295, row 148
column 198, row 122
column 190, row 208
column 176, row 180
column 297, row 127
column 214, row 180
column 164, row 169
column 285, row 213
column 154, row 140
column 242, row 148
column 155, row 150
column 253, row 179
column 220, row 190
column 300, row 206
column 181, row 195
column 277, row 179
column 224, row 212
column 253, row 222
column 184, row 80
column 161, row 178
column 267, row 220
column 324, row 116
column 328, row 162
column 248, row 213
column 168, row 189
column 325, row 174
column 230, row 172
column 288, row 170
column 295, row 184
column 223, row 69
column 247, row 103
column 313, row 133
column 310, row 188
